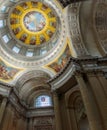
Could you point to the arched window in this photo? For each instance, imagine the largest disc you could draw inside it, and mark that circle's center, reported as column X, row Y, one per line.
column 43, row 101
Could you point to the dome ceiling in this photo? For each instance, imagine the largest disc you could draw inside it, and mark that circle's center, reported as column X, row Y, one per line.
column 32, row 37
column 32, row 32
column 32, row 23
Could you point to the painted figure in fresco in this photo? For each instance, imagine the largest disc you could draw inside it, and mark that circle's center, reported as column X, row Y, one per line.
column 16, row 30
column 51, row 14
column 62, row 61
column 44, row 7
column 23, row 37
column 33, row 41
column 49, row 33
column 17, row 11
column 3, row 72
column 65, row 57
column 1, row 69
column 14, row 21
column 24, row 5
column 12, row 73
column 34, row 3
column 53, row 24
column 6, row 72
column 42, row 39
column 55, row 66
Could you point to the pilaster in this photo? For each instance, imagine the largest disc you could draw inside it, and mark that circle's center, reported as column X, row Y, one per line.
column 93, row 113
column 57, row 111
column 2, row 108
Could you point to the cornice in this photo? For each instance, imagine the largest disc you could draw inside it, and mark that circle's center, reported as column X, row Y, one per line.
column 25, row 110
column 40, row 112
column 6, row 85
column 65, row 3
column 76, row 67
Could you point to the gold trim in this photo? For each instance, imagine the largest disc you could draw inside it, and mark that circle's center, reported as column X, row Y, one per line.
column 62, row 51
column 29, row 34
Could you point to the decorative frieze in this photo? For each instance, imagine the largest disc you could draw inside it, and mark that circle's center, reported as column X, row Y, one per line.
column 44, row 123
column 100, row 23
column 74, row 29
column 40, row 112
column 76, row 67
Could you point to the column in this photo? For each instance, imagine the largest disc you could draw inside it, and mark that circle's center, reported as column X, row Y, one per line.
column 30, row 124
column 57, row 111
column 2, row 108
column 93, row 113
column 8, row 118
column 72, row 120
column 100, row 95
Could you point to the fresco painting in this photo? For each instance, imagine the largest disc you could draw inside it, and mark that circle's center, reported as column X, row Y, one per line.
column 34, row 21
column 17, row 11
column 24, row 5
column 7, row 72
column 60, row 63
column 16, row 30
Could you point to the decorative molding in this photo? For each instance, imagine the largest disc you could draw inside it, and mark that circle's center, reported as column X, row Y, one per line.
column 23, row 61
column 44, row 123
column 40, row 112
column 74, row 29
column 100, row 24
column 67, row 2
column 76, row 67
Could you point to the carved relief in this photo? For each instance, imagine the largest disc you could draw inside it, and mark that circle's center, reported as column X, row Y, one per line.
column 43, row 123
column 75, row 34
column 100, row 19
column 43, row 128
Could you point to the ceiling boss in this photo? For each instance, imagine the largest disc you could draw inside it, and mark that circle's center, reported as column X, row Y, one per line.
column 33, row 23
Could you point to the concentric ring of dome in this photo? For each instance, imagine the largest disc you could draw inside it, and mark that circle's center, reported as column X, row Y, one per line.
column 33, row 23
column 26, row 55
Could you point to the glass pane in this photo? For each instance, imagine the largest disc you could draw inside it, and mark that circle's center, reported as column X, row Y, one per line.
column 1, row 23
column 6, row 38
column 43, row 52
column 43, row 101
column 3, row 9
column 29, row 54
column 16, row 49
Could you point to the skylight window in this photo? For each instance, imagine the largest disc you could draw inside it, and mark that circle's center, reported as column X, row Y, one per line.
column 3, row 9
column 43, row 51
column 1, row 23
column 43, row 101
column 29, row 53
column 16, row 49
column 6, row 38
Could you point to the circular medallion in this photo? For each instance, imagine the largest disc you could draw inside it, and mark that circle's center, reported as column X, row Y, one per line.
column 34, row 21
